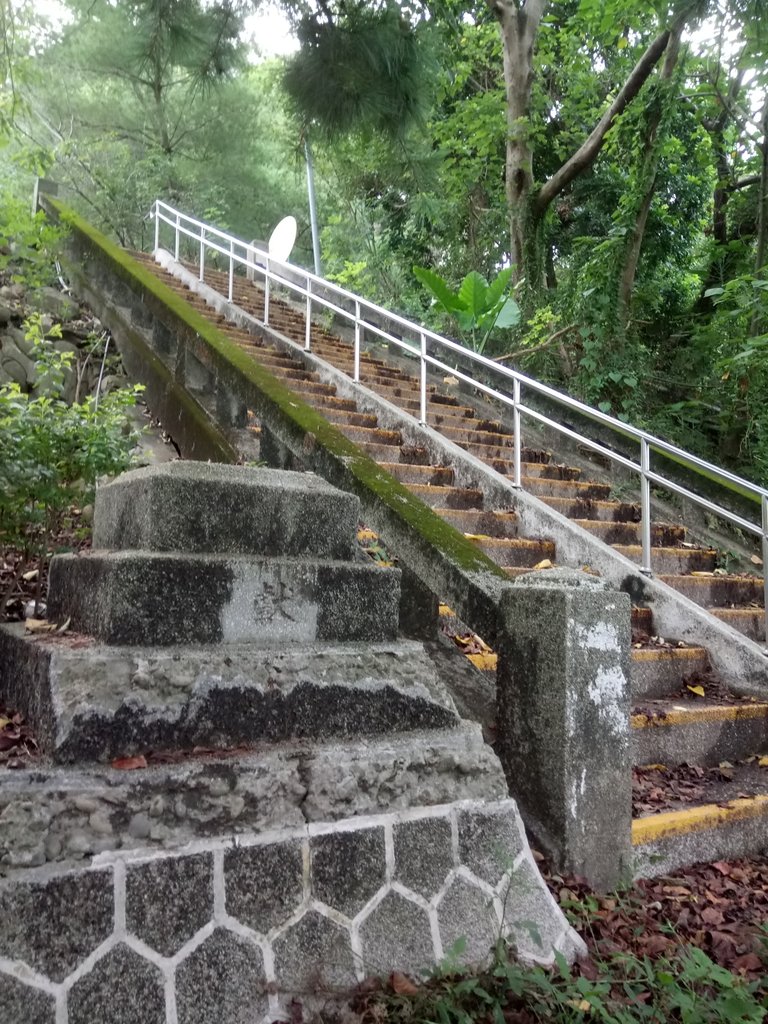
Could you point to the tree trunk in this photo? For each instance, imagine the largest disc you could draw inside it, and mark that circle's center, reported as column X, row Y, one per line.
column 518, row 27
column 647, row 182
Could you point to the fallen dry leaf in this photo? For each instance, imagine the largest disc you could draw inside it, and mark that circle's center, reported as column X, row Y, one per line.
column 127, row 764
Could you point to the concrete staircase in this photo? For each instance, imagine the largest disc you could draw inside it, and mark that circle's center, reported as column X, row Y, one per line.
column 671, row 723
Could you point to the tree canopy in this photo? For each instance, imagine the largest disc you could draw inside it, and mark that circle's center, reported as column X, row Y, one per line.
column 611, row 156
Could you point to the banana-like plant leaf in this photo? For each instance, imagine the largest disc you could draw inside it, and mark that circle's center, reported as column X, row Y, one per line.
column 497, row 287
column 509, row 314
column 472, row 294
column 437, row 286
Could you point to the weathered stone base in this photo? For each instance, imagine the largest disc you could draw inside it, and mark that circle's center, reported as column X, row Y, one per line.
column 91, row 702
column 142, row 597
column 231, row 931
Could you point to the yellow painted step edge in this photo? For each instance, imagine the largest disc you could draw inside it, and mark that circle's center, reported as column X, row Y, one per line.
column 694, row 715
column 695, row 819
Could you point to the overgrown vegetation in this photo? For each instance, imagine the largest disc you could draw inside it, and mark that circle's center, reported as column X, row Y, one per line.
column 52, row 450
column 610, row 157
column 622, row 989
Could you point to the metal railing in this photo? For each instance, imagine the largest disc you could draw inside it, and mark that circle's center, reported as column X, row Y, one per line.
column 368, row 319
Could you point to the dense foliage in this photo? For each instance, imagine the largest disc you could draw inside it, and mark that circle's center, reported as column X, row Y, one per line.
column 612, row 155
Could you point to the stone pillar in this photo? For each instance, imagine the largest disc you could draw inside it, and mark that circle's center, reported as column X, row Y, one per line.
column 563, row 718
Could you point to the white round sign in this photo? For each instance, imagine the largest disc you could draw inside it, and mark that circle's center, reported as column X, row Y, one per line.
column 282, row 238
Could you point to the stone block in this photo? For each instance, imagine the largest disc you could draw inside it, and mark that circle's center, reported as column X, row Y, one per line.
column 423, row 854
column 122, row 988
column 199, row 507
column 20, row 1002
column 419, row 608
column 532, row 921
column 264, row 884
column 469, row 924
column 490, row 840
column 398, row 932
column 314, row 955
column 168, row 900
column 348, row 868
column 97, row 703
column 131, row 597
column 54, row 923
column 563, row 718
column 222, row 981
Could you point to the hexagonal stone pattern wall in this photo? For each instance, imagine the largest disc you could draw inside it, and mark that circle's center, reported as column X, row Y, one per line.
column 234, row 932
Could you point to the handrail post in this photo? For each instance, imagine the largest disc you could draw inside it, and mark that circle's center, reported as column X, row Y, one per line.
column 230, row 293
column 308, row 319
column 176, row 239
column 266, row 292
column 156, row 212
column 358, row 329
column 202, row 253
column 423, row 381
column 764, row 506
column 517, row 481
column 645, row 506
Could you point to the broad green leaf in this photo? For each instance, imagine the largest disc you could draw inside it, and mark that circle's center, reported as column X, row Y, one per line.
column 497, row 287
column 439, row 288
column 509, row 314
column 472, row 294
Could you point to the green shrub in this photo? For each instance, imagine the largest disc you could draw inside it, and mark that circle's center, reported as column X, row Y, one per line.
column 52, row 453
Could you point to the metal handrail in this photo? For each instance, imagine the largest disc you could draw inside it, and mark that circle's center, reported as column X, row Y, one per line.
column 316, row 291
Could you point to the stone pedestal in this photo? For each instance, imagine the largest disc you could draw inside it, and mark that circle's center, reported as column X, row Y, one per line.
column 305, row 805
column 563, row 718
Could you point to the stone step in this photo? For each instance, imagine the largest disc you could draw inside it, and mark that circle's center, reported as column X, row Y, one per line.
column 548, row 485
column 95, row 809
column 447, row 497
column 642, row 620
column 662, row 534
column 321, row 402
column 480, row 523
column 409, row 474
column 352, row 419
column 212, row 508
column 671, row 732
column 587, row 508
column 749, row 621
column 371, row 435
column 483, row 435
column 139, row 597
column 521, row 552
column 660, row 671
column 535, row 462
column 706, row 832
column 395, row 453
column 718, row 591
column 672, row 560
column 311, row 387
column 101, row 703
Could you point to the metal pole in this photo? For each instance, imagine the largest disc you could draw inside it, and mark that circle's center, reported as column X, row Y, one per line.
column 312, row 207
column 517, row 481
column 645, row 506
column 266, row 293
column 157, row 228
column 308, row 319
column 357, row 343
column 423, row 380
column 231, row 269
column 176, row 241
column 202, row 253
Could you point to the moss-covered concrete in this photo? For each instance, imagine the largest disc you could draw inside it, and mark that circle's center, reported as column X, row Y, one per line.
column 439, row 555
